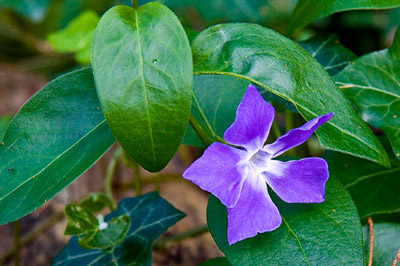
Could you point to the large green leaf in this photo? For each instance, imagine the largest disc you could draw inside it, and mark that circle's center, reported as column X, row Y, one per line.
column 374, row 189
column 150, row 216
column 372, row 83
column 328, row 51
column 322, row 234
column 306, row 11
column 386, row 243
column 56, row 136
column 33, row 9
column 143, row 70
column 284, row 68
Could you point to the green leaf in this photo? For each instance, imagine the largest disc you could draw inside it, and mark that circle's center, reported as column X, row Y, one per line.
column 76, row 37
column 143, row 70
column 220, row 261
column 150, row 216
column 306, row 11
column 328, row 233
column 372, row 83
column 386, row 243
column 96, row 202
column 35, row 10
column 55, row 137
column 79, row 220
column 374, row 189
column 4, row 120
column 281, row 66
column 328, row 51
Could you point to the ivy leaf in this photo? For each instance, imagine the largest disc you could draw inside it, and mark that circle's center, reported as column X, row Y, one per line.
column 96, row 202
column 77, row 37
column 55, row 137
column 150, row 216
column 328, row 233
column 35, row 10
column 328, row 51
column 306, row 11
column 374, row 189
column 386, row 243
column 80, row 220
column 279, row 65
column 142, row 65
column 372, row 83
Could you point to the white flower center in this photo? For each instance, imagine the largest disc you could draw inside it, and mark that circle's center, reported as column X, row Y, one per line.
column 103, row 226
column 258, row 162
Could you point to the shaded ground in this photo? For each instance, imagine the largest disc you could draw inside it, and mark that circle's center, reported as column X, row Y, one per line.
column 15, row 88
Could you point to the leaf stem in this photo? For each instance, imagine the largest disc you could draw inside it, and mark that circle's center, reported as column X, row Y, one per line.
column 199, row 131
column 110, row 173
column 289, row 126
column 161, row 242
column 17, row 243
column 371, row 241
column 135, row 4
column 138, row 179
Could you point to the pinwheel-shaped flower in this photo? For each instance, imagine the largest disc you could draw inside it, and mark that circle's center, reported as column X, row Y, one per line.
column 238, row 177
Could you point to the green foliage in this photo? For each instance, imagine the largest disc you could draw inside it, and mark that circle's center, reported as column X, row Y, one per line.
column 374, row 189
column 143, row 70
column 33, row 9
column 220, row 261
column 329, row 52
column 311, row 234
column 306, row 11
column 56, row 136
column 284, row 68
column 150, row 216
column 77, row 37
column 386, row 243
column 96, row 202
column 4, row 120
column 372, row 83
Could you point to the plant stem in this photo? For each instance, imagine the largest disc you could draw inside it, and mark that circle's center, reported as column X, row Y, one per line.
column 276, row 130
column 289, row 126
column 17, row 243
column 135, row 4
column 371, row 241
column 110, row 173
column 161, row 242
column 138, row 179
column 199, row 131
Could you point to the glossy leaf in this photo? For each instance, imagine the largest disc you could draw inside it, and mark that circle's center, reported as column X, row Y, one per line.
column 33, row 9
column 284, row 68
column 372, row 83
column 55, row 137
column 386, row 243
column 77, row 37
column 328, row 51
column 143, row 70
column 4, row 120
column 328, row 233
column 374, row 189
column 150, row 216
column 220, row 261
column 306, row 11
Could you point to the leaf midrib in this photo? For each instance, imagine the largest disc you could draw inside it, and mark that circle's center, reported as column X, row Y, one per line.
column 55, row 159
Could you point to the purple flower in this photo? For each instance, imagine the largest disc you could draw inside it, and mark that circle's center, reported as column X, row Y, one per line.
column 238, row 177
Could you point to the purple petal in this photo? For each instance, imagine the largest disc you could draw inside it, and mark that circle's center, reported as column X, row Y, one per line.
column 254, row 117
column 296, row 136
column 254, row 212
column 216, row 171
column 300, row 181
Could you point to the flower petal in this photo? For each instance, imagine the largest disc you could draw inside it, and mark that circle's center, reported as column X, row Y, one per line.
column 217, row 172
column 296, row 136
column 300, row 181
column 254, row 212
column 253, row 121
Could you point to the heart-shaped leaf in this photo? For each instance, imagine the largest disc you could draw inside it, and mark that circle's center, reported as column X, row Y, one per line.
column 372, row 83
column 142, row 65
column 306, row 11
column 322, row 234
column 150, row 216
column 55, row 137
column 278, row 64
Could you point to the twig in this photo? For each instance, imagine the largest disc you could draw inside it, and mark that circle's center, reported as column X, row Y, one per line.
column 34, row 234
column 371, row 241
column 199, row 131
column 161, row 242
column 110, row 173
column 396, row 260
column 138, row 178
